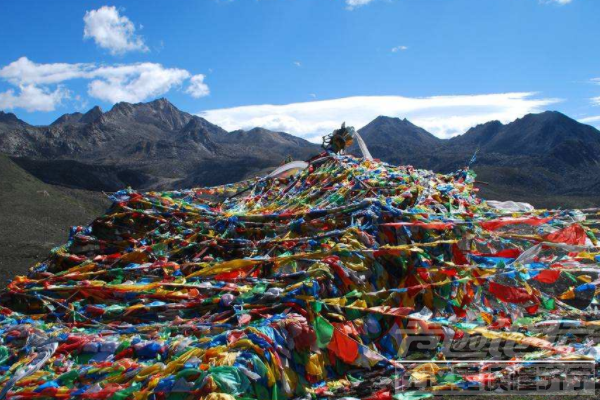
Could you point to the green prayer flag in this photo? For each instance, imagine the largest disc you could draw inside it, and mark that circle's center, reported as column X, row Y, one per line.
column 548, row 303
column 412, row 396
column 324, row 331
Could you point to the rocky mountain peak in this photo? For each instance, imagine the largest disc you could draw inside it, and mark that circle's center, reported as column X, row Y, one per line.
column 92, row 115
column 395, row 129
column 9, row 118
column 161, row 103
column 67, row 119
column 161, row 113
column 79, row 118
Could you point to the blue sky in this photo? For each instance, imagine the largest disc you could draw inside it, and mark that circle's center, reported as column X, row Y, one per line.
column 304, row 65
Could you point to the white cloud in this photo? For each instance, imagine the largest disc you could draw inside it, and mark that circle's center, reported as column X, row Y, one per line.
column 112, row 31
column 352, row 4
column 33, row 98
column 560, row 2
column 135, row 82
column 596, row 100
column 197, row 88
column 594, row 121
column 297, row 63
column 399, row 48
column 589, row 120
column 444, row 116
column 40, row 90
column 24, row 71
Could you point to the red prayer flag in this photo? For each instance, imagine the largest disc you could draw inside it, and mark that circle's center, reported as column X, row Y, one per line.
column 343, row 346
column 548, row 276
column 509, row 294
column 573, row 234
column 499, row 223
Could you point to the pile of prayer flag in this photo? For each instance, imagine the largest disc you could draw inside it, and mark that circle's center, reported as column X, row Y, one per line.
column 318, row 284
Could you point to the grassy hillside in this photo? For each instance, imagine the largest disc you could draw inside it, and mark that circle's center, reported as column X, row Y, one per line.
column 36, row 217
column 519, row 184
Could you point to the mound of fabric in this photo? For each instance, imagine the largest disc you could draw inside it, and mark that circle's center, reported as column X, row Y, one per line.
column 312, row 285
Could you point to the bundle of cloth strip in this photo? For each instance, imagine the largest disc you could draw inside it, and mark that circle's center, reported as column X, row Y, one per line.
column 320, row 284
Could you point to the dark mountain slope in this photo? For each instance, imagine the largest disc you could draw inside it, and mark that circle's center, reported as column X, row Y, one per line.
column 89, row 117
column 261, row 138
column 398, row 141
column 478, row 136
column 35, row 217
column 78, row 175
column 8, row 120
column 549, row 134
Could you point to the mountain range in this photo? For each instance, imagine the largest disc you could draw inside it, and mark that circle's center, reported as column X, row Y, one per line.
column 147, row 146
column 547, row 159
